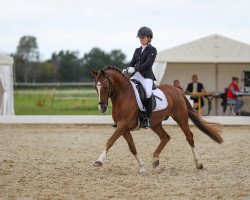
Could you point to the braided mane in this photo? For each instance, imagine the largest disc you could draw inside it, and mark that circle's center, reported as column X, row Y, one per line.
column 113, row 68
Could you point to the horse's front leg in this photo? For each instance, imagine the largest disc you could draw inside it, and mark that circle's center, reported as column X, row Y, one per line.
column 128, row 137
column 99, row 162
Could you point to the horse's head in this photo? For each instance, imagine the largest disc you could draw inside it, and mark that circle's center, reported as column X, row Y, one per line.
column 103, row 87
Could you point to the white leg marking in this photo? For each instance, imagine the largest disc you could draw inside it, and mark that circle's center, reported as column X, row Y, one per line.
column 141, row 163
column 103, row 156
column 196, row 158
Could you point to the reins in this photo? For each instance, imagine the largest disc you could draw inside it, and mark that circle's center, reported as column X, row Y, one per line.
column 112, row 93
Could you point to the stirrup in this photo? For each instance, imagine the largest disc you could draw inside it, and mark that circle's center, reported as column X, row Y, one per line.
column 145, row 123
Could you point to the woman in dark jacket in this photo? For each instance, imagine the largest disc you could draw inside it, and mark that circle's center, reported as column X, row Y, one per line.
column 141, row 68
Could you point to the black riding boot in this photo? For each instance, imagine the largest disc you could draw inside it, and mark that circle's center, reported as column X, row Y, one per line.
column 147, row 121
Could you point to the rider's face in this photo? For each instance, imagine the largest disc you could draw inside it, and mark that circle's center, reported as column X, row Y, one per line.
column 144, row 40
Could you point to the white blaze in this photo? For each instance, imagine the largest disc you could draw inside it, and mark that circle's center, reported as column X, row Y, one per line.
column 98, row 86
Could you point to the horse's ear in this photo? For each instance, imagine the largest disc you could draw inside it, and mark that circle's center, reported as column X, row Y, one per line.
column 94, row 72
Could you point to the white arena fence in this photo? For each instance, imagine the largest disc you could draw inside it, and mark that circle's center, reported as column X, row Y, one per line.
column 107, row 120
column 52, row 85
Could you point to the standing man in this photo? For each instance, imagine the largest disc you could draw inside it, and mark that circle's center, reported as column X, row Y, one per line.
column 195, row 86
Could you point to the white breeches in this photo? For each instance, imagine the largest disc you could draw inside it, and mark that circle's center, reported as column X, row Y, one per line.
column 147, row 83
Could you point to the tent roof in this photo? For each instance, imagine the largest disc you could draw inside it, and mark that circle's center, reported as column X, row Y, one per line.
column 211, row 49
column 6, row 60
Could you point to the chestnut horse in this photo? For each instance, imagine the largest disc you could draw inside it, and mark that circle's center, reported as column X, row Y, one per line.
column 111, row 83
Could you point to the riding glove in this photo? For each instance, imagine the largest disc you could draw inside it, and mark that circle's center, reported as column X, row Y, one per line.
column 124, row 71
column 131, row 70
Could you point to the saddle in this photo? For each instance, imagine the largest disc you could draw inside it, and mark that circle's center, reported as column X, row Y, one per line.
column 143, row 98
column 142, row 92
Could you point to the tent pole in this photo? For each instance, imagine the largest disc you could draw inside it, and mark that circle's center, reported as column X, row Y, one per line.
column 216, row 87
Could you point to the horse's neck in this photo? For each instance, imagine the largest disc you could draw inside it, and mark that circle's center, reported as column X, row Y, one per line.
column 123, row 88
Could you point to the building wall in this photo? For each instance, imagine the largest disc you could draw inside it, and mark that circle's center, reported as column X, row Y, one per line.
column 184, row 71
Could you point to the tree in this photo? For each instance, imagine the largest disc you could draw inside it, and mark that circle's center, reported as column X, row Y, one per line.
column 46, row 72
column 117, row 58
column 98, row 59
column 68, row 66
column 64, row 66
column 19, row 68
column 27, row 50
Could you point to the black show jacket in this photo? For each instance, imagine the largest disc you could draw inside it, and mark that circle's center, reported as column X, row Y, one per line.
column 143, row 62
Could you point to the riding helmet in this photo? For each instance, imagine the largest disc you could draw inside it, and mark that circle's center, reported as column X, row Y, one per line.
column 145, row 31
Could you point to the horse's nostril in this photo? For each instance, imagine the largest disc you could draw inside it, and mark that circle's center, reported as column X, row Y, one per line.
column 103, row 106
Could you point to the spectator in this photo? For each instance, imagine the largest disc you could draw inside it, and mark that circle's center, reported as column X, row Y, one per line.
column 195, row 86
column 177, row 84
column 232, row 98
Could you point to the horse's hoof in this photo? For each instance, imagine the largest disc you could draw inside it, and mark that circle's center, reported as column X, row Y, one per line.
column 98, row 164
column 156, row 163
column 200, row 166
column 142, row 170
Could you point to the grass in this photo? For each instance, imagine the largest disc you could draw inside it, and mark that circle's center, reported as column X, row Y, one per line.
column 57, row 102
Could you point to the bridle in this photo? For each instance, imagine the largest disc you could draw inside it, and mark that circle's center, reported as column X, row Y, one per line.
column 112, row 92
column 107, row 78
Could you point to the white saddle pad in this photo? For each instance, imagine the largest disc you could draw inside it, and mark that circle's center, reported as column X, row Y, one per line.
column 160, row 104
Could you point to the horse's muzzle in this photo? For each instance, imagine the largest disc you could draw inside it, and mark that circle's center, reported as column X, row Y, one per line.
column 103, row 106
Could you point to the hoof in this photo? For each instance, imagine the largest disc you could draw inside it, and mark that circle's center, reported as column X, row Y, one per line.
column 98, row 164
column 200, row 166
column 142, row 170
column 156, row 163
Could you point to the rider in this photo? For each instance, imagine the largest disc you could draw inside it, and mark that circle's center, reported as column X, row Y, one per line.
column 141, row 68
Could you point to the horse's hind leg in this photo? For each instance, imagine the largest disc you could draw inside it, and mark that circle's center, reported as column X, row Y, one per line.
column 183, row 123
column 128, row 137
column 158, row 129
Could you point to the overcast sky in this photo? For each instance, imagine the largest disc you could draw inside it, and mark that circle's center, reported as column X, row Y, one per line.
column 80, row 25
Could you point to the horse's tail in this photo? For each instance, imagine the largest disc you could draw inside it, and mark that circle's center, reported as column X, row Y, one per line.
column 212, row 130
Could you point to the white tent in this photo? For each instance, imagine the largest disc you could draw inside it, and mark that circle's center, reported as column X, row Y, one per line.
column 215, row 59
column 212, row 49
column 6, row 86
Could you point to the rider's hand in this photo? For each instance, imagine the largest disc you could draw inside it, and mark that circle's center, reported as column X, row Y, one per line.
column 131, row 70
column 124, row 71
